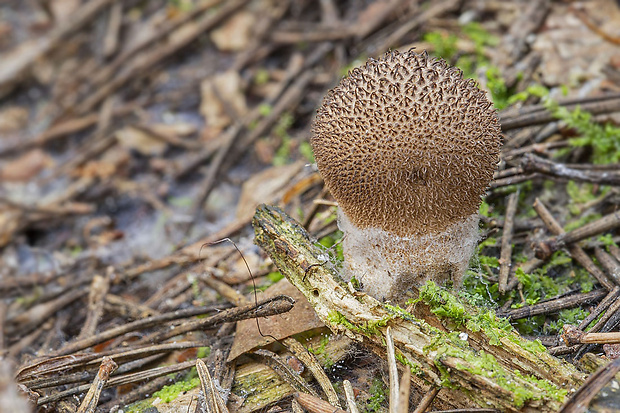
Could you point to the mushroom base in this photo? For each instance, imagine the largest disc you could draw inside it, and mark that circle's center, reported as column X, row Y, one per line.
column 387, row 265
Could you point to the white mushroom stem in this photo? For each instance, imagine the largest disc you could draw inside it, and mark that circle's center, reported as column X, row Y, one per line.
column 387, row 265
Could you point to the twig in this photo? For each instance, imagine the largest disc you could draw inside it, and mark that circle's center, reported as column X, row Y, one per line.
column 52, row 371
column 350, row 395
column 512, row 180
column 579, row 401
column 215, row 403
column 600, row 308
column 516, row 40
column 296, row 407
column 96, row 299
column 285, row 372
column 267, row 307
column 310, row 361
column 403, row 394
column 532, row 163
column 573, row 101
column 38, row 314
column 607, row 322
column 115, row 18
column 396, row 34
column 148, row 60
column 543, row 249
column 542, row 117
column 89, row 404
column 427, row 400
column 555, row 305
column 119, row 381
column 392, row 371
column 574, row 336
column 466, row 411
column 583, row 16
column 609, row 263
column 17, row 63
column 607, row 223
column 136, row 325
column 288, row 100
column 315, row 405
column 505, row 261
column 3, row 310
column 297, row 257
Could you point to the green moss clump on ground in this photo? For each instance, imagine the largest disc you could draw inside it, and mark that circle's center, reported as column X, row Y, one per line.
column 377, row 399
column 171, row 392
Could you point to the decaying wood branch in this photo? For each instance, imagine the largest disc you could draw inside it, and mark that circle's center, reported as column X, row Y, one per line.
column 489, row 365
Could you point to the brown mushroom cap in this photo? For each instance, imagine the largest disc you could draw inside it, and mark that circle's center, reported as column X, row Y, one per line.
column 407, row 145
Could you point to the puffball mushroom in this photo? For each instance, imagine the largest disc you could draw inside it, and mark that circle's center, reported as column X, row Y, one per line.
column 407, row 147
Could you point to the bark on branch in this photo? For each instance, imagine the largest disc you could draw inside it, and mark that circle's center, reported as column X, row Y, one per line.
column 475, row 358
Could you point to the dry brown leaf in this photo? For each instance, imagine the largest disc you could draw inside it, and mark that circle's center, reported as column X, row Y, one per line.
column 570, row 51
column 141, row 141
column 9, row 223
column 13, row 118
column 236, row 33
column 62, row 9
column 26, row 166
column 219, row 92
column 301, row 318
column 263, row 187
column 177, row 129
column 109, row 165
column 369, row 13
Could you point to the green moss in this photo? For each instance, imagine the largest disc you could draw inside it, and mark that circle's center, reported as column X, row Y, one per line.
column 370, row 329
column 274, row 276
column 443, row 304
column 607, row 240
column 494, row 327
column 551, row 390
column 305, row 149
column 500, row 92
column 321, row 350
column 603, row 139
column 261, row 77
column 265, row 109
column 584, row 219
column 280, row 130
column 555, row 277
column 357, row 62
column 139, row 406
column 171, row 392
column 443, row 44
column 203, row 352
column 415, row 369
column 571, row 316
column 332, row 242
column 446, row 305
column 378, row 397
column 536, row 90
column 580, row 193
column 486, row 365
column 399, row 312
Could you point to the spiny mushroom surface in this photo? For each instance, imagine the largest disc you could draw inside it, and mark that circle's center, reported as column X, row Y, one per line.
column 407, row 147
